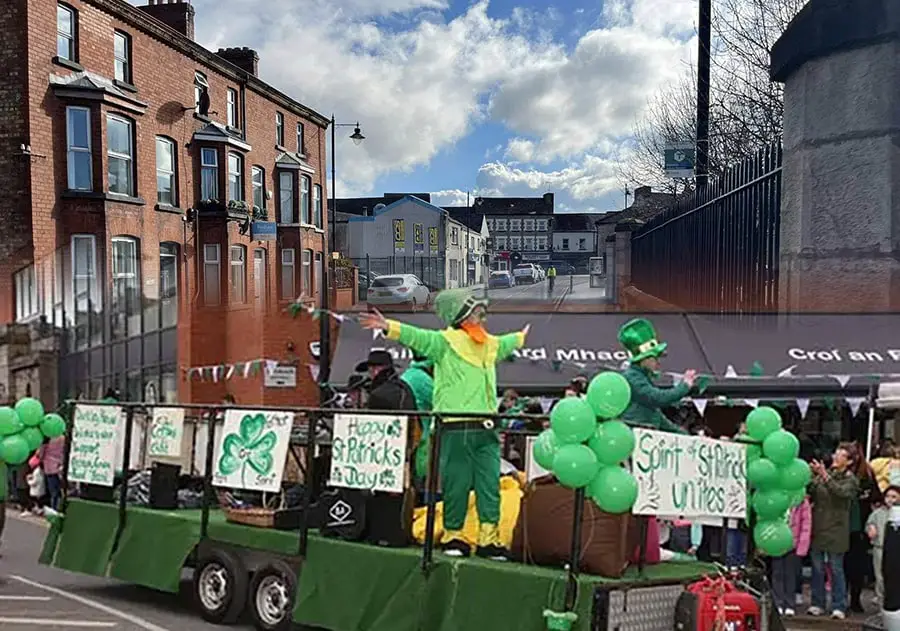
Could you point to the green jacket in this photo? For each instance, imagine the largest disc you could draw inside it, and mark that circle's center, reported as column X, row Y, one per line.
column 647, row 401
column 465, row 373
column 422, row 386
column 832, row 500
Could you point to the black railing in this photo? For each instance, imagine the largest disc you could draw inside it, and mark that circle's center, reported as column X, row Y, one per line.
column 716, row 250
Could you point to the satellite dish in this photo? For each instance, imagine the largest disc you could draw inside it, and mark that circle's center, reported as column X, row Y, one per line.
column 379, row 207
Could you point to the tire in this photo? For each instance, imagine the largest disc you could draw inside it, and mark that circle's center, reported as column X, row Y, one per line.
column 271, row 596
column 220, row 587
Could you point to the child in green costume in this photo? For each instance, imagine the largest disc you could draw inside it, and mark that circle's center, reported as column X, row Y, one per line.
column 465, row 357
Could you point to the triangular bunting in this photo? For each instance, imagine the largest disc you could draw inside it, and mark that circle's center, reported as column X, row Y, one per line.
column 842, row 379
column 855, row 403
column 229, row 372
column 753, row 403
column 803, row 404
column 730, row 372
column 700, row 404
column 215, row 374
column 247, row 366
column 271, row 365
column 546, row 404
column 788, row 372
column 314, row 371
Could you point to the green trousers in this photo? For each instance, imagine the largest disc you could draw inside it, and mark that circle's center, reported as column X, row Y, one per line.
column 470, row 459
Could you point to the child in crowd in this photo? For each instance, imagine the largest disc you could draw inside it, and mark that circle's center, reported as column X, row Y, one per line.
column 876, row 526
column 37, row 488
column 886, row 466
column 786, row 568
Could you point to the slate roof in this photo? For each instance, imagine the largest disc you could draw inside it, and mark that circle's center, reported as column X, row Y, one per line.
column 646, row 206
column 290, row 159
column 213, row 128
column 575, row 222
column 92, row 82
column 468, row 217
column 515, row 205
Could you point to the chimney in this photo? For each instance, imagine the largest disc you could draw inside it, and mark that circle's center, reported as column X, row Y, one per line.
column 548, row 200
column 177, row 14
column 244, row 58
column 642, row 192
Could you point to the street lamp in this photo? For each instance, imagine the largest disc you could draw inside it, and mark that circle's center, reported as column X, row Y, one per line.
column 324, row 319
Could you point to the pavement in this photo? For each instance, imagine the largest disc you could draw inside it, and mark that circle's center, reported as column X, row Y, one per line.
column 36, row 597
column 568, row 290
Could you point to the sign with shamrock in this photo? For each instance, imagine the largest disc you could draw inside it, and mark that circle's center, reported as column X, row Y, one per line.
column 166, row 430
column 369, row 452
column 251, row 450
column 688, row 476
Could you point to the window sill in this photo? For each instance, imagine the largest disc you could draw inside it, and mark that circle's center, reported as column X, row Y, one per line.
column 201, row 117
column 125, row 199
column 124, row 85
column 68, row 63
column 282, row 148
column 166, row 208
column 287, row 225
column 309, row 226
column 106, row 197
column 234, row 130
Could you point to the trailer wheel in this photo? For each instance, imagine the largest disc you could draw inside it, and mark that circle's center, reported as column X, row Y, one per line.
column 272, row 596
column 220, row 587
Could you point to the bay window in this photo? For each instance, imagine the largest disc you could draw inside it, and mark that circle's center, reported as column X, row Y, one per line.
column 79, row 158
column 317, row 206
column 165, row 171
column 120, row 154
column 209, row 174
column 286, row 197
column 235, row 178
column 258, row 179
column 304, row 200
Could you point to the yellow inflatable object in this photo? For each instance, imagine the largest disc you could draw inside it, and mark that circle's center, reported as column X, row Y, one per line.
column 510, row 503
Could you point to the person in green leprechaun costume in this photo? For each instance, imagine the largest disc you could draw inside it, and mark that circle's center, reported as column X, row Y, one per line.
column 647, row 400
column 465, row 357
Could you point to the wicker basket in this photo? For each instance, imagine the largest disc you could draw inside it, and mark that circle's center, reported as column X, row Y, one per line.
column 259, row 517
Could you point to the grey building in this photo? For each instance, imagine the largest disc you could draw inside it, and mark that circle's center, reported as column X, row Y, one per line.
column 574, row 241
column 520, row 224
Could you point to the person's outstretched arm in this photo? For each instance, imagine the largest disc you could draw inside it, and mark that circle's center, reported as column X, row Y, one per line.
column 430, row 344
column 511, row 342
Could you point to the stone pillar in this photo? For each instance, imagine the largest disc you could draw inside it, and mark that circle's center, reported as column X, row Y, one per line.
column 622, row 257
column 840, row 215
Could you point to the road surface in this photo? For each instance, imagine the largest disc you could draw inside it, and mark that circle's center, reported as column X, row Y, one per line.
column 567, row 290
column 35, row 597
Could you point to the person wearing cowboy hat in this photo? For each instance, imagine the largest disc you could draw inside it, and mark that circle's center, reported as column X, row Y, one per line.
column 647, row 400
column 465, row 356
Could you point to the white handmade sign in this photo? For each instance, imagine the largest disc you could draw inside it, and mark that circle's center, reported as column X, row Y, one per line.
column 369, row 452
column 95, row 441
column 689, row 476
column 166, row 430
column 251, row 450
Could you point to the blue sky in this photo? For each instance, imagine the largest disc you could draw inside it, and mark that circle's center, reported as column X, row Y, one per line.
column 497, row 97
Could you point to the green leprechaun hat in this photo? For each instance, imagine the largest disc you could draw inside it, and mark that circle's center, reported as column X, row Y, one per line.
column 453, row 306
column 639, row 338
column 559, row 620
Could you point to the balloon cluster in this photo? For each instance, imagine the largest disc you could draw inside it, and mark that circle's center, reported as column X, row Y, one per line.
column 778, row 478
column 583, row 453
column 23, row 429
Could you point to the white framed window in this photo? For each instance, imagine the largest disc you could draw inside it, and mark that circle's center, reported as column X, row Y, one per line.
column 231, row 108
column 515, row 243
column 490, row 224
column 209, row 174
column 541, row 225
column 529, row 244
column 87, row 295
column 500, row 243
column 307, row 271
column 165, row 171
column 454, row 269
column 582, row 244
column 238, row 274
column 528, row 225
column 259, row 276
column 122, row 54
column 25, row 284
column 79, row 157
column 501, row 225
column 317, row 206
column 126, row 287
column 541, row 243
column 212, row 275
column 120, row 154
column 304, row 200
column 288, row 274
column 258, row 182
column 565, row 244
column 286, row 197
column 235, row 177
column 65, row 32
column 168, row 284
column 515, row 225
column 301, row 143
column 454, row 236
column 279, row 129
column 201, row 85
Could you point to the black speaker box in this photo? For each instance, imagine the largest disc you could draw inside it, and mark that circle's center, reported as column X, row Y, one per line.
column 164, row 486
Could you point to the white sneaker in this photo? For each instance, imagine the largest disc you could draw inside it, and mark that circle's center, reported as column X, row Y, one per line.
column 798, row 599
column 780, row 611
column 837, row 614
column 789, row 612
column 814, row 611
column 25, row 513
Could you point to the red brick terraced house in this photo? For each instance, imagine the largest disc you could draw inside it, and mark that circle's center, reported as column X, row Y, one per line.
column 131, row 162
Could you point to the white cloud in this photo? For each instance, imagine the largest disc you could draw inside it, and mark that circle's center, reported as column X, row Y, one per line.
column 454, row 197
column 424, row 82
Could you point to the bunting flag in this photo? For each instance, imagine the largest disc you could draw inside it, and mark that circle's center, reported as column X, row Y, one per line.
column 753, row 403
column 855, row 403
column 225, row 372
column 700, row 404
column 803, row 404
column 314, row 371
column 730, row 372
column 841, row 379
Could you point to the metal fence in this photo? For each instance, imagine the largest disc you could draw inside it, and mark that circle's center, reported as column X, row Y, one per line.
column 431, row 270
column 717, row 249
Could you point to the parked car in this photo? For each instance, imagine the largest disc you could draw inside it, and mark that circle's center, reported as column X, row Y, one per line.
column 525, row 273
column 501, row 279
column 399, row 289
column 364, row 285
column 542, row 273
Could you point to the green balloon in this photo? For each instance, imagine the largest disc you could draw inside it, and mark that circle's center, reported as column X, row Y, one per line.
column 797, row 497
column 53, row 426
column 614, row 490
column 33, row 437
column 30, row 411
column 572, row 420
column 575, row 465
column 771, row 504
column 773, row 538
column 781, row 447
column 545, row 448
column 794, row 476
column 763, row 421
column 762, row 474
column 14, row 449
column 613, row 442
column 609, row 395
column 754, row 449
column 10, row 423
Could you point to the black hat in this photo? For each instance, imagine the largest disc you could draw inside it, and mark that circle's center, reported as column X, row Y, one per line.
column 377, row 357
column 356, row 381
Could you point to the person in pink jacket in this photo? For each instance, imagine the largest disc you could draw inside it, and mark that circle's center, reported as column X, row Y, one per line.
column 785, row 569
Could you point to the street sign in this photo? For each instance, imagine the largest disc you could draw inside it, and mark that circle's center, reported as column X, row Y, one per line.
column 679, row 160
column 263, row 231
column 281, row 377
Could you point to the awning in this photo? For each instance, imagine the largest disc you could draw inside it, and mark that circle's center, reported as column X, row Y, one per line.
column 560, row 346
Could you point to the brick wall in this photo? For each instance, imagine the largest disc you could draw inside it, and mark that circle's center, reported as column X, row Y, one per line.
column 164, row 80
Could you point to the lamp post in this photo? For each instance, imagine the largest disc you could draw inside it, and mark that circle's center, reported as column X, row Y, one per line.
column 324, row 319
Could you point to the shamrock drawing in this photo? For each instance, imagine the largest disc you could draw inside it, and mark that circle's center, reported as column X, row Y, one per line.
column 387, row 478
column 394, row 428
column 248, row 447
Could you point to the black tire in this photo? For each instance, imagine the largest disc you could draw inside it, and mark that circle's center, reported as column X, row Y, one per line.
column 271, row 596
column 220, row 587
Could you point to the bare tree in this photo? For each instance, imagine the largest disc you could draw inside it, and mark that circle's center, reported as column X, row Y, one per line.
column 746, row 108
